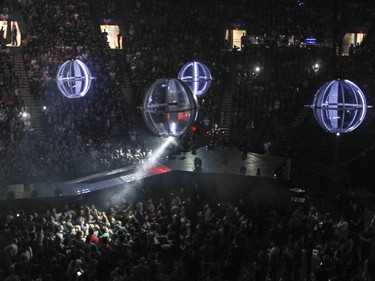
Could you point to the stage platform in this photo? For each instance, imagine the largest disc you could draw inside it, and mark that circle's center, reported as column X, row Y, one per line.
column 229, row 161
column 213, row 161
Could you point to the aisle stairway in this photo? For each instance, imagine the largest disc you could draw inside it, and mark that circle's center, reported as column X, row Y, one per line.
column 226, row 112
column 27, row 97
column 126, row 88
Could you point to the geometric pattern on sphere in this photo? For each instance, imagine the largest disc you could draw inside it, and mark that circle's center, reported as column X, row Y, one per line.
column 197, row 76
column 169, row 108
column 73, row 79
column 339, row 106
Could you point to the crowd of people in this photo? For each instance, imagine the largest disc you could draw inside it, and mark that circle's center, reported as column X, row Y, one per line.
column 266, row 101
column 69, row 33
column 71, row 158
column 95, row 130
column 187, row 236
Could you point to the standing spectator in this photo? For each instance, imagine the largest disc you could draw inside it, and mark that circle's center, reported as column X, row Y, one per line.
column 366, row 241
column 324, row 270
column 105, row 36
column 342, row 229
column 141, row 271
column 369, row 271
column 119, row 40
column 260, row 266
column 309, row 243
column 297, row 260
column 13, row 35
column 287, row 259
column 179, row 274
column 273, row 261
column 10, row 252
column 2, row 34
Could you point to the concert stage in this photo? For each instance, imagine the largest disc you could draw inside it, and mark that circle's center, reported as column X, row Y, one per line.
column 219, row 161
column 230, row 161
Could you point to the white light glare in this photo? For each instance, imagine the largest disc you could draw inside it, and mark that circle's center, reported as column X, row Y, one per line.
column 173, row 128
column 155, row 155
column 257, row 69
column 158, row 152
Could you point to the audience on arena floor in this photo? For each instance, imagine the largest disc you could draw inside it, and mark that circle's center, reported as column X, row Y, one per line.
column 189, row 236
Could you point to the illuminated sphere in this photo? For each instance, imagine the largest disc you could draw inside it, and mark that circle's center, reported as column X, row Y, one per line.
column 74, row 79
column 169, row 107
column 339, row 106
column 197, row 76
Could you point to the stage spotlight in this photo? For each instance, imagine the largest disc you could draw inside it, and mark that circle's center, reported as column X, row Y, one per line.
column 197, row 164
column 58, row 192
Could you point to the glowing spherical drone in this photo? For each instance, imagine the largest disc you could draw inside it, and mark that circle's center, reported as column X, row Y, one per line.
column 74, row 79
column 339, row 106
column 169, row 107
column 197, row 76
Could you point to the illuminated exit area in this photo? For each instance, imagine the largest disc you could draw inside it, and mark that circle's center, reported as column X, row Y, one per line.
column 114, row 37
column 11, row 33
column 351, row 38
column 233, row 36
column 4, row 28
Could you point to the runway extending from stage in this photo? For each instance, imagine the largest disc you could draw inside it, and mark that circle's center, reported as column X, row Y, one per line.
column 213, row 161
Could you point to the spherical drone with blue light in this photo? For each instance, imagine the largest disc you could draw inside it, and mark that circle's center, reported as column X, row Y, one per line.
column 169, row 107
column 339, row 106
column 74, row 79
column 197, row 76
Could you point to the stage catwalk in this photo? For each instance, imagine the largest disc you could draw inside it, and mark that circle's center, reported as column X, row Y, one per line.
column 213, row 161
